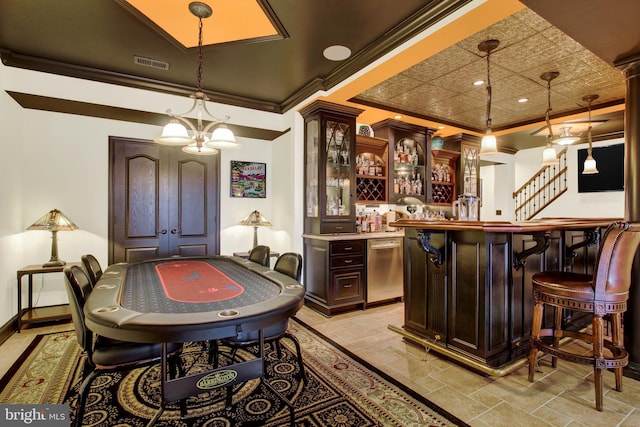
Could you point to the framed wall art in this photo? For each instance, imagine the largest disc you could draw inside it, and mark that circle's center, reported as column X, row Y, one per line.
column 248, row 179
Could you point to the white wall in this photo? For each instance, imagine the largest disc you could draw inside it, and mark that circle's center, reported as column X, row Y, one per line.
column 572, row 203
column 54, row 160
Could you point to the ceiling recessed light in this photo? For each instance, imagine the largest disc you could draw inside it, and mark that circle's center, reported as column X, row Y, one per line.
column 337, row 53
column 478, row 82
column 523, row 100
column 441, row 127
column 397, row 117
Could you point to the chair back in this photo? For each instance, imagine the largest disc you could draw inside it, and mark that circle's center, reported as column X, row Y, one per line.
column 289, row 263
column 78, row 289
column 93, row 268
column 260, row 254
column 615, row 260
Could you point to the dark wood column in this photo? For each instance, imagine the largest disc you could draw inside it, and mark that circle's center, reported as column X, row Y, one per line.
column 631, row 69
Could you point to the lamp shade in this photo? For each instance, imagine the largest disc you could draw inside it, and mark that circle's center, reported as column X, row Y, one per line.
column 222, row 137
column 53, row 221
column 256, row 219
column 174, row 133
column 488, row 145
column 590, row 166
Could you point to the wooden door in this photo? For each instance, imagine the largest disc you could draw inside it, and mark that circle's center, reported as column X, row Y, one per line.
column 163, row 202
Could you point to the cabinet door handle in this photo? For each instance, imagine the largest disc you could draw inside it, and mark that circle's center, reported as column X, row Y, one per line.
column 163, row 231
column 348, row 286
column 348, row 261
column 349, row 248
column 174, row 231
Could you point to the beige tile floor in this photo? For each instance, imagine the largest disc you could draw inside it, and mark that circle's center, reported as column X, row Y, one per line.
column 559, row 397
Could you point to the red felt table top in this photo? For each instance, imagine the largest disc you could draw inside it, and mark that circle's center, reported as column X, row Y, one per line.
column 196, row 282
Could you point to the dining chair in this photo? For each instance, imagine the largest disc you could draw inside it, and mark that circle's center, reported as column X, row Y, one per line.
column 92, row 267
column 603, row 293
column 289, row 264
column 260, row 254
column 105, row 354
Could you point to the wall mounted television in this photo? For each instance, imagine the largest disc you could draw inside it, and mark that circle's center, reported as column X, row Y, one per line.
column 610, row 164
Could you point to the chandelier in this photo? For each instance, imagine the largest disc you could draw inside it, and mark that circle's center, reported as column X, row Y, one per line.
column 488, row 144
column 175, row 132
column 549, row 156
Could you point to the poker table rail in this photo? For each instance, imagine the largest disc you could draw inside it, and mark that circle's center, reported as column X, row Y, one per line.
column 107, row 317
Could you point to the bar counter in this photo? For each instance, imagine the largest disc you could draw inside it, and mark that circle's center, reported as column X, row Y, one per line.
column 467, row 284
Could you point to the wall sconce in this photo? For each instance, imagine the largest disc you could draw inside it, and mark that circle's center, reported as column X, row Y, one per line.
column 255, row 219
column 54, row 221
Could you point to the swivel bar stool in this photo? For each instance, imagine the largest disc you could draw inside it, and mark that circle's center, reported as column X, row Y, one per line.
column 605, row 293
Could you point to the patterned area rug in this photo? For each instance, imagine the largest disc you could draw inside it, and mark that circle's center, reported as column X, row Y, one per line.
column 341, row 390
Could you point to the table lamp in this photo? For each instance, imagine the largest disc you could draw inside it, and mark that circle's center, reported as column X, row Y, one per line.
column 53, row 221
column 255, row 219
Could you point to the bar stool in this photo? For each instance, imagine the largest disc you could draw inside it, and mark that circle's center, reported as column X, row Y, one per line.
column 604, row 293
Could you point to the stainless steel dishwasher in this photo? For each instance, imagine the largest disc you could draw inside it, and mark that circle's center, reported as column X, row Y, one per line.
column 384, row 269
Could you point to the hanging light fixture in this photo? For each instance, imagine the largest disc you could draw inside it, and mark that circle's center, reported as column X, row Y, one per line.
column 175, row 132
column 549, row 156
column 488, row 144
column 566, row 137
column 589, row 162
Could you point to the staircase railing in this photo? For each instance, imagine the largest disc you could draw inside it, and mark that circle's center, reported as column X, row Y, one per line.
column 542, row 189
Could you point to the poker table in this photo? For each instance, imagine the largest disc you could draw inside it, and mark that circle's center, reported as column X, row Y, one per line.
column 183, row 299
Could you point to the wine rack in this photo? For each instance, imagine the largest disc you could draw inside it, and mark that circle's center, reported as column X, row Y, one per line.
column 443, row 192
column 371, row 189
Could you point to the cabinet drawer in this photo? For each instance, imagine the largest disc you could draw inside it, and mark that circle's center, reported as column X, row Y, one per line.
column 346, row 261
column 348, row 286
column 346, row 247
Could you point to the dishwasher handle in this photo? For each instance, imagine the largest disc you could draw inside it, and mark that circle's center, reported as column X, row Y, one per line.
column 385, row 246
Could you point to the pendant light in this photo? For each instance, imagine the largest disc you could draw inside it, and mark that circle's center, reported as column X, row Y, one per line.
column 488, row 144
column 549, row 156
column 589, row 162
column 175, row 132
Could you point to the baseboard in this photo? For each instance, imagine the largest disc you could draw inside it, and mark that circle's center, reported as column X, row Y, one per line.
column 8, row 329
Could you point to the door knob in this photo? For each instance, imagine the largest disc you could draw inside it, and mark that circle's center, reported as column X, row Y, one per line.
column 163, row 231
column 174, row 231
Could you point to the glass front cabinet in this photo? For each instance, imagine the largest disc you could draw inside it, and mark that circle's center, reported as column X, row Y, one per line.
column 329, row 157
column 409, row 159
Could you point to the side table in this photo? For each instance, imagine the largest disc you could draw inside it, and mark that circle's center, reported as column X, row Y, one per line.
column 33, row 314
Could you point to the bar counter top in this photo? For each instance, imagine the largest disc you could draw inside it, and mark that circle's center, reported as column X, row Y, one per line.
column 544, row 224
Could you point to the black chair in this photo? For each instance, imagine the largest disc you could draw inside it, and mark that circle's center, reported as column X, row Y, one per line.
column 290, row 264
column 602, row 294
column 260, row 254
column 105, row 354
column 92, row 266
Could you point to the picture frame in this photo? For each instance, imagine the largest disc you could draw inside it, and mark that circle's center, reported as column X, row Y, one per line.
column 248, row 179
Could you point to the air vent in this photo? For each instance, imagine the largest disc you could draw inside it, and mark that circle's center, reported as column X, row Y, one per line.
column 148, row 62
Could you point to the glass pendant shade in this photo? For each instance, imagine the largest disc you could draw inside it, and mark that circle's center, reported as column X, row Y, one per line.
column 201, row 149
column 549, row 156
column 223, row 138
column 488, row 145
column 174, row 133
column 590, row 166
